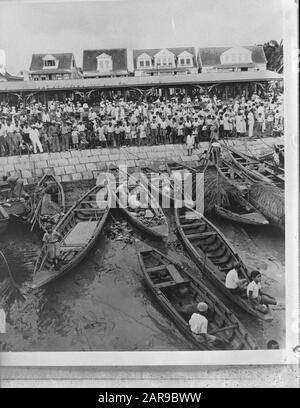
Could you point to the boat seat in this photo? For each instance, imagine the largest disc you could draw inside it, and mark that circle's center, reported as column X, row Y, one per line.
column 196, row 224
column 98, row 210
column 201, row 235
column 175, row 274
column 157, row 268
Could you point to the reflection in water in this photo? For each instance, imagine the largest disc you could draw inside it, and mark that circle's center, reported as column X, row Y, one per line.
column 103, row 304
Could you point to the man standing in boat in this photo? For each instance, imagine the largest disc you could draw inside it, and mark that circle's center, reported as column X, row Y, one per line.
column 52, row 245
column 16, row 186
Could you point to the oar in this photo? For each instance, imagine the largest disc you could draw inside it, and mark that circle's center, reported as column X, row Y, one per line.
column 233, row 326
column 33, row 220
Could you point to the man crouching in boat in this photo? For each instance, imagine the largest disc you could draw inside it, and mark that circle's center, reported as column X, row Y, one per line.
column 198, row 323
column 233, row 283
column 51, row 241
column 258, row 299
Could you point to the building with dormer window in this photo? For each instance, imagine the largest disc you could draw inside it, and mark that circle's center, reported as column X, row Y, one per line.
column 232, row 59
column 166, row 61
column 45, row 67
column 105, row 63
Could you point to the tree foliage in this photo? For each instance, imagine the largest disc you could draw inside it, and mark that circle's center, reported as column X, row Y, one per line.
column 274, row 54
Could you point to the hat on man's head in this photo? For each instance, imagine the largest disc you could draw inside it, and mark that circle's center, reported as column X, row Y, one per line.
column 202, row 307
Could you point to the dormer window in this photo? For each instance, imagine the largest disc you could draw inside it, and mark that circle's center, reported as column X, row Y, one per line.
column 144, row 61
column 104, row 63
column 185, row 59
column 50, row 62
column 164, row 58
column 236, row 55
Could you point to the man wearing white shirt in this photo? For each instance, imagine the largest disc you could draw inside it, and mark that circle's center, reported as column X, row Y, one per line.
column 233, row 283
column 257, row 298
column 199, row 323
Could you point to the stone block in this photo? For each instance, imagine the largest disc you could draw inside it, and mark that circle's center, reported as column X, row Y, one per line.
column 114, row 157
column 70, row 169
column 87, row 175
column 84, row 160
column 76, row 176
column 66, row 178
column 85, row 153
column 41, row 164
column 72, row 160
column 75, row 153
column 80, row 168
column 26, row 174
column 65, row 155
column 104, row 151
column 91, row 166
column 38, row 172
column 58, row 171
column 94, row 159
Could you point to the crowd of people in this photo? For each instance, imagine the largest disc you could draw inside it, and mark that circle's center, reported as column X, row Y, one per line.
column 61, row 126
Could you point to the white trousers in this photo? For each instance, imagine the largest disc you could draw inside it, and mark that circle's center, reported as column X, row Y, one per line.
column 36, row 143
column 251, row 125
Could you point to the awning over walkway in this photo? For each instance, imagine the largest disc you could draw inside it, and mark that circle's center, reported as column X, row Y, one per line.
column 132, row 82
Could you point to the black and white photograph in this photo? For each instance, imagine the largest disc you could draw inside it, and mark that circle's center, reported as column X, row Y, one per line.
column 148, row 182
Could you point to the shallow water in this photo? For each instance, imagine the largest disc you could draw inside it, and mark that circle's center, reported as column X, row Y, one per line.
column 103, row 304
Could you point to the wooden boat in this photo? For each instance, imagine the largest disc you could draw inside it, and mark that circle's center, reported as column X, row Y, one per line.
column 178, row 293
column 213, row 254
column 150, row 217
column 190, row 192
column 251, row 166
column 235, row 176
column 163, row 188
column 240, row 209
column 4, row 220
column 56, row 206
column 79, row 230
column 243, row 213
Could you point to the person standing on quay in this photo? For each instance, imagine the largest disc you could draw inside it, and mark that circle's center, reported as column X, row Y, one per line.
column 53, row 135
column 65, row 135
column 250, row 118
column 34, row 136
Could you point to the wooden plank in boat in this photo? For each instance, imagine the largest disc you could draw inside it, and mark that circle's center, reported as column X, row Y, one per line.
column 91, row 210
column 201, row 235
column 193, row 225
column 81, row 234
column 175, row 274
column 190, row 215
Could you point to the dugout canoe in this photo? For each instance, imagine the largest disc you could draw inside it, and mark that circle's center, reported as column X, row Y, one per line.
column 213, row 254
column 240, row 209
column 78, row 230
column 4, row 220
column 178, row 293
column 251, row 166
column 235, row 176
column 156, row 225
column 244, row 213
column 47, row 181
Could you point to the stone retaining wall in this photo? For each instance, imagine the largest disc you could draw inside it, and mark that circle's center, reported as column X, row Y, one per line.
column 86, row 164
